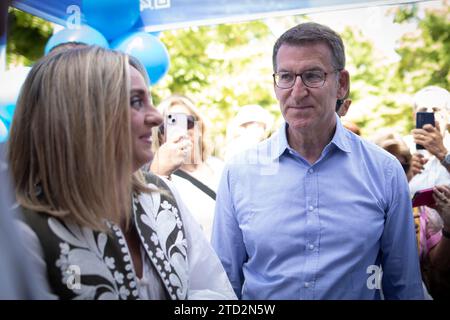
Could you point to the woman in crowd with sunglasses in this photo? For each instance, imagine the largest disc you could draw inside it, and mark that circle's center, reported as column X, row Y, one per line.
column 187, row 161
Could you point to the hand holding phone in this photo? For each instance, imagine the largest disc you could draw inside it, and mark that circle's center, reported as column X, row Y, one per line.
column 423, row 118
column 175, row 124
column 423, row 198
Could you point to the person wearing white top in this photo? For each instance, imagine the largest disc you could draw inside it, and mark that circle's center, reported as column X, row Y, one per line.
column 187, row 161
column 93, row 223
column 205, row 275
column 430, row 167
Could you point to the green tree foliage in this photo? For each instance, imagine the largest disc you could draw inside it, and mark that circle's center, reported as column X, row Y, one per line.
column 426, row 53
column 382, row 91
column 377, row 101
column 27, row 36
column 424, row 60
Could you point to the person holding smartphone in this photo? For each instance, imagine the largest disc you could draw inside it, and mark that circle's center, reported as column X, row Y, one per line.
column 431, row 232
column 430, row 166
column 185, row 157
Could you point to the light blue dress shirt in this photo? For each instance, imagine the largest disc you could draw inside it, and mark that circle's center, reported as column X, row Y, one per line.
column 285, row 229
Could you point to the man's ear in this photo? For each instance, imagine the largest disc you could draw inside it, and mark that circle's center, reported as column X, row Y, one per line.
column 344, row 107
column 344, row 83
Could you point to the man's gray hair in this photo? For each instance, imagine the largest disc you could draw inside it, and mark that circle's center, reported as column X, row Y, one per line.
column 310, row 32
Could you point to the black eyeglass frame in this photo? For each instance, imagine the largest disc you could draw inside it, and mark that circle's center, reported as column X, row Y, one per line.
column 325, row 74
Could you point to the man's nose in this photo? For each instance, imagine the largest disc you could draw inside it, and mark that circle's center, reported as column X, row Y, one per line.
column 299, row 88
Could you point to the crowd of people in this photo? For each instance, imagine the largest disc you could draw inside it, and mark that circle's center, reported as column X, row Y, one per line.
column 108, row 205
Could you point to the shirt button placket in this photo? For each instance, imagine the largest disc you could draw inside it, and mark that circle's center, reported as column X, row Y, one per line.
column 312, row 232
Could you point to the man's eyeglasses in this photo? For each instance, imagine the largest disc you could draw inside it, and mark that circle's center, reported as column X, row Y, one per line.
column 190, row 123
column 310, row 78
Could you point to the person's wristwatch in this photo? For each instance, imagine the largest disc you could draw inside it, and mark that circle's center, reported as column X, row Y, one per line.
column 446, row 161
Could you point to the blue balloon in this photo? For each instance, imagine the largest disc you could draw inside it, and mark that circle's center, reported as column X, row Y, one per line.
column 7, row 113
column 155, row 33
column 83, row 33
column 150, row 51
column 10, row 81
column 111, row 17
column 3, row 132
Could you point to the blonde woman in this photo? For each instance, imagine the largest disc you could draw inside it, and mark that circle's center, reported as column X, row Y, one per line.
column 81, row 128
column 187, row 161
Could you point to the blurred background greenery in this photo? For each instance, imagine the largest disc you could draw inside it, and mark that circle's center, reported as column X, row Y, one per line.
column 226, row 66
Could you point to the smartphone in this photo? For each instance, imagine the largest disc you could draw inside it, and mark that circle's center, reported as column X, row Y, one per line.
column 423, row 118
column 423, row 198
column 175, row 124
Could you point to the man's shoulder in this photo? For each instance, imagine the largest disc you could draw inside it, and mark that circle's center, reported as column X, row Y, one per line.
column 368, row 150
column 265, row 148
column 260, row 158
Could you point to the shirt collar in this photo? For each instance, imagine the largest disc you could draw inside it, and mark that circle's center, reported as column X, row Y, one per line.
column 340, row 139
column 341, row 136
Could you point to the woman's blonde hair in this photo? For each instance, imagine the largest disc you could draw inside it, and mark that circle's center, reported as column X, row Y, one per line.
column 176, row 100
column 70, row 140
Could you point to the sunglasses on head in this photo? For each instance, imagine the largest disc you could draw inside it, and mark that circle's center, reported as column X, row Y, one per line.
column 190, row 123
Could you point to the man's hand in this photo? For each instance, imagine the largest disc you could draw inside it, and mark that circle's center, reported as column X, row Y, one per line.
column 431, row 138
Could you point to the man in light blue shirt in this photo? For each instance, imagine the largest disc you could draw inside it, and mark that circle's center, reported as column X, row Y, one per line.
column 314, row 212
